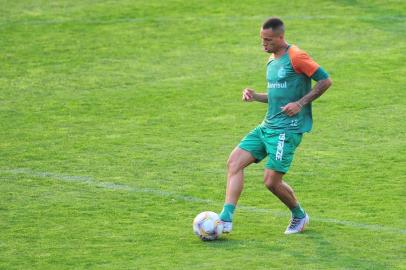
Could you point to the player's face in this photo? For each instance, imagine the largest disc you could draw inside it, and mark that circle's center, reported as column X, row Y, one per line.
column 271, row 41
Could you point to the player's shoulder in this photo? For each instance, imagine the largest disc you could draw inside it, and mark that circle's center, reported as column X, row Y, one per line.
column 301, row 61
column 296, row 53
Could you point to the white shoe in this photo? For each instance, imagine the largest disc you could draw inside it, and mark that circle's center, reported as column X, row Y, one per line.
column 227, row 226
column 297, row 225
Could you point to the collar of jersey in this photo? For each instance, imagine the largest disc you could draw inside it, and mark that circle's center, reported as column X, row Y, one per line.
column 272, row 57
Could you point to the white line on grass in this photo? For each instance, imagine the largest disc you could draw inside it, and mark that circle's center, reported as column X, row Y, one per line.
column 113, row 186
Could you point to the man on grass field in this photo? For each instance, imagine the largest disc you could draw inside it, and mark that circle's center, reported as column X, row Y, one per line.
column 289, row 96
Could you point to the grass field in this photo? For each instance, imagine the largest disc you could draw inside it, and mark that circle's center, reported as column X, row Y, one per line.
column 117, row 118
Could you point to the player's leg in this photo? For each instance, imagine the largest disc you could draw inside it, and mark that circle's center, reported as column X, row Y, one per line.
column 251, row 149
column 238, row 160
column 274, row 182
column 281, row 148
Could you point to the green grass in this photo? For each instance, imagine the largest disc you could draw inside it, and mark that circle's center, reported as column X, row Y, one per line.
column 117, row 118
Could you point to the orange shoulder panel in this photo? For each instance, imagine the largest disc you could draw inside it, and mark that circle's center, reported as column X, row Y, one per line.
column 302, row 62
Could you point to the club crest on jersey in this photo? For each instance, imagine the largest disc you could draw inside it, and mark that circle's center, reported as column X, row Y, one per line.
column 281, row 72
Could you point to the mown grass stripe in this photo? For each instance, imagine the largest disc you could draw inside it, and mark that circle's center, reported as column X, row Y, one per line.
column 96, row 21
column 156, row 192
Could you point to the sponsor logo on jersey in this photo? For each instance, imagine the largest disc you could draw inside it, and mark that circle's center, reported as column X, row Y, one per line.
column 278, row 85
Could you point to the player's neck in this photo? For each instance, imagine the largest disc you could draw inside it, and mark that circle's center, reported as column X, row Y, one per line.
column 282, row 50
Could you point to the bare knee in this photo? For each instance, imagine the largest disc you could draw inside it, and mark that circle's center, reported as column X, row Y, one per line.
column 238, row 160
column 233, row 165
column 272, row 180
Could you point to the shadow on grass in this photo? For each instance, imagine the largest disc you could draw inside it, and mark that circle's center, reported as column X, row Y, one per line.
column 224, row 242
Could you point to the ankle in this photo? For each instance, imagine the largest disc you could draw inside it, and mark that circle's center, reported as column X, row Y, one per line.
column 227, row 212
column 298, row 211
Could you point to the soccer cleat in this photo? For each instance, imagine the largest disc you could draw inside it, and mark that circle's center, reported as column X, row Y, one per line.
column 297, row 225
column 227, row 226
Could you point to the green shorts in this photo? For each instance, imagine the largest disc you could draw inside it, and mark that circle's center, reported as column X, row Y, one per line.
column 278, row 145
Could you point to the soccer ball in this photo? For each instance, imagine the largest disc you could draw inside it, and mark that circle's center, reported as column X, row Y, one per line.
column 207, row 226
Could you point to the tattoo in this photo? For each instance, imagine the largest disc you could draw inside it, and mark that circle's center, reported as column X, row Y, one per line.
column 318, row 90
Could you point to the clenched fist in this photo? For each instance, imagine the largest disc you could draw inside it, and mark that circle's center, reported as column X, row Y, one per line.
column 248, row 95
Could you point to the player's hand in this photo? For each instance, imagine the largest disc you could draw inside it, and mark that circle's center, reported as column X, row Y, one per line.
column 248, row 95
column 291, row 108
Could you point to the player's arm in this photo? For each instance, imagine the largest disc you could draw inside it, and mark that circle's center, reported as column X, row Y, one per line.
column 318, row 90
column 250, row 95
column 302, row 63
column 323, row 83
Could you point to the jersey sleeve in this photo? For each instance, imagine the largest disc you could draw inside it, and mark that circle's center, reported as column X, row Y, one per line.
column 302, row 62
column 320, row 74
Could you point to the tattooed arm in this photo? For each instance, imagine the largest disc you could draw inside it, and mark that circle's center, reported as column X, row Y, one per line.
column 318, row 90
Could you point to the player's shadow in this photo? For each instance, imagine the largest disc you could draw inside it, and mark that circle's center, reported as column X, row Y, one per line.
column 223, row 242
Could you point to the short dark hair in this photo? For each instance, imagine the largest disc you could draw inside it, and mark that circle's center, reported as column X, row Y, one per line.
column 274, row 23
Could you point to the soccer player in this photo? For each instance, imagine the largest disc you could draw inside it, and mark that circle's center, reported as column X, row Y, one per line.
column 289, row 95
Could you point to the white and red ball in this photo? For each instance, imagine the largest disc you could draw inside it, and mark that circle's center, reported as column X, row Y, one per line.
column 207, row 226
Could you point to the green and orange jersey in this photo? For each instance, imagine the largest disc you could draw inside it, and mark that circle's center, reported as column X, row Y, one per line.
column 289, row 79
